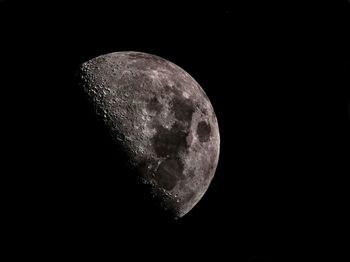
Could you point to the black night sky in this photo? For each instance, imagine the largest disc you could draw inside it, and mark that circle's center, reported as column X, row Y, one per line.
column 268, row 70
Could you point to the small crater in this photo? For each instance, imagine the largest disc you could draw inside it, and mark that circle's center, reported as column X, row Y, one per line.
column 169, row 172
column 185, row 95
column 203, row 131
column 155, row 105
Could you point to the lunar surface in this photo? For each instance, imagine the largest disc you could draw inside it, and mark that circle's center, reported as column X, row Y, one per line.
column 163, row 121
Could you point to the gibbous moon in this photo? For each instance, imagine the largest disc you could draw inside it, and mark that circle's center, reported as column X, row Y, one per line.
column 162, row 120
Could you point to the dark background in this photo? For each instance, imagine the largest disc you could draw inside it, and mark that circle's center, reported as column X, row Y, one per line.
column 275, row 74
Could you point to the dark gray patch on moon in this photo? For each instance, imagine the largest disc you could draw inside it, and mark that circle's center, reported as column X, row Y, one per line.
column 163, row 121
column 183, row 109
column 170, row 171
column 155, row 105
column 169, row 142
column 203, row 131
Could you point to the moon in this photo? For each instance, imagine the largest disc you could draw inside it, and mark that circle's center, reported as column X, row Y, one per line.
column 161, row 119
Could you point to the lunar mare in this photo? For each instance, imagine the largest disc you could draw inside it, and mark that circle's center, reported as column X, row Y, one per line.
column 161, row 118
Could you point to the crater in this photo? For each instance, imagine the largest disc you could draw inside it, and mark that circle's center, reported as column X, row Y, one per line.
column 189, row 196
column 169, row 172
column 138, row 55
column 203, row 131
